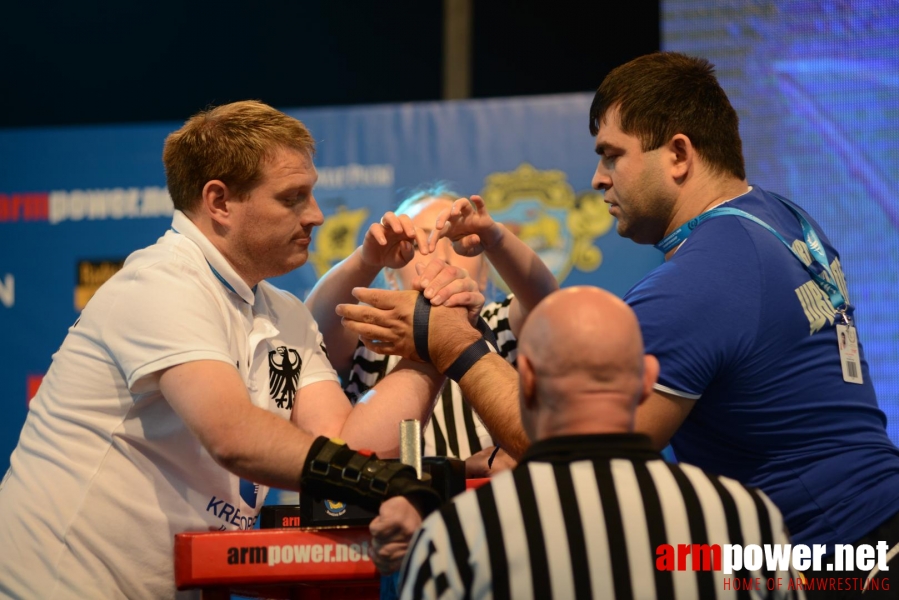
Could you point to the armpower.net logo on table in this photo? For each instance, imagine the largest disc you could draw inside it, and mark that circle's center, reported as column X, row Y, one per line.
column 298, row 554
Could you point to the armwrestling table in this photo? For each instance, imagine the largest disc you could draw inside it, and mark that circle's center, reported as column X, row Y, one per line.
column 293, row 563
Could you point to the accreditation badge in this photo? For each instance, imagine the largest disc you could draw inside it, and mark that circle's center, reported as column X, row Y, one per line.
column 849, row 356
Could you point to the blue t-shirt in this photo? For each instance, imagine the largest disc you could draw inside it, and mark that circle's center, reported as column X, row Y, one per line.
column 736, row 321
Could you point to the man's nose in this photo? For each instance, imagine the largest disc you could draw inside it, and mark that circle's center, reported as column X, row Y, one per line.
column 601, row 181
column 313, row 214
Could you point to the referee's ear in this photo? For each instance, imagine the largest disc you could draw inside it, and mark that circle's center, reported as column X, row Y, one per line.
column 650, row 375
column 527, row 383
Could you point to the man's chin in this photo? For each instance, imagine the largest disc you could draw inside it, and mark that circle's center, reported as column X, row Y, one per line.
column 623, row 231
column 292, row 264
column 298, row 261
column 637, row 237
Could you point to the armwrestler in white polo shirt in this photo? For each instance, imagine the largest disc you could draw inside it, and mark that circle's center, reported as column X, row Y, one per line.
column 189, row 384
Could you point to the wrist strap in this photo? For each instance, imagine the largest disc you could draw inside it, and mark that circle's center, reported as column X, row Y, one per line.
column 467, row 359
column 334, row 471
column 488, row 334
column 471, row 355
column 420, row 327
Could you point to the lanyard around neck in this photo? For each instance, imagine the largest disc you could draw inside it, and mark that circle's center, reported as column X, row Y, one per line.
column 219, row 276
column 822, row 275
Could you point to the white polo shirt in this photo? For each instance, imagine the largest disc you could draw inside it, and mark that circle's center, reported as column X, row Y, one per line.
column 105, row 472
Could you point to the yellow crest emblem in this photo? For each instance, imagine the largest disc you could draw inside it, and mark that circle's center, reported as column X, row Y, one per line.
column 336, row 238
column 542, row 209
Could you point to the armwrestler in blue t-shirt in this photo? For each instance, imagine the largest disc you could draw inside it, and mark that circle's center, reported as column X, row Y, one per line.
column 746, row 313
column 744, row 317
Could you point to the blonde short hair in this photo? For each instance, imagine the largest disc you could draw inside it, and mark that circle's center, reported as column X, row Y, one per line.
column 229, row 143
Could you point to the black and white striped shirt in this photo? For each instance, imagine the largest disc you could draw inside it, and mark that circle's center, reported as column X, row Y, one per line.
column 454, row 430
column 582, row 517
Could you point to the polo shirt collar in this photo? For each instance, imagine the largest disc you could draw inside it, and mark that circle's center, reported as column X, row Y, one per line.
column 569, row 448
column 218, row 264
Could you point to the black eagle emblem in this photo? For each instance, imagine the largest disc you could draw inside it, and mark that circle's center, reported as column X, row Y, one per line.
column 284, row 375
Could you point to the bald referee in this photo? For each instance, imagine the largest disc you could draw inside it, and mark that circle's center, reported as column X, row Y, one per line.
column 584, row 513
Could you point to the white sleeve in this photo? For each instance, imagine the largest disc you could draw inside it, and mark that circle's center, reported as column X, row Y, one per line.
column 160, row 316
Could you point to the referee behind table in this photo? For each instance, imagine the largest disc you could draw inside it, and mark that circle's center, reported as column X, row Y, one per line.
column 584, row 513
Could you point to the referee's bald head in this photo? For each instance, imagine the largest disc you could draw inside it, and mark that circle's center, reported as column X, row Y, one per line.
column 582, row 365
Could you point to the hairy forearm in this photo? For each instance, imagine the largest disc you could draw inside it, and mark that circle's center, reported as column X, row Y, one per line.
column 521, row 269
column 491, row 387
column 333, row 288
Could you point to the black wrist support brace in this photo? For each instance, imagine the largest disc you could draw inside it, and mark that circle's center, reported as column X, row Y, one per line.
column 469, row 356
column 335, row 472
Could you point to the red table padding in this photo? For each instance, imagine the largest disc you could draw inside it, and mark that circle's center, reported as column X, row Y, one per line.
column 473, row 484
column 303, row 564
column 278, row 563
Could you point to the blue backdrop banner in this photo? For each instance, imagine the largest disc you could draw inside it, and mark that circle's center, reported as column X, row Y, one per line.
column 74, row 202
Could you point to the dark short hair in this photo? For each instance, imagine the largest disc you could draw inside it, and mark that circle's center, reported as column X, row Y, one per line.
column 228, row 143
column 662, row 94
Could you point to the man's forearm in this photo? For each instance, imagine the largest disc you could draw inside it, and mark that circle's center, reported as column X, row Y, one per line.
column 407, row 392
column 333, row 288
column 211, row 399
column 522, row 270
column 491, row 387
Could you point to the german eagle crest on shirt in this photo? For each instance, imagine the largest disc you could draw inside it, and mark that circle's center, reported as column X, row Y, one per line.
column 284, row 375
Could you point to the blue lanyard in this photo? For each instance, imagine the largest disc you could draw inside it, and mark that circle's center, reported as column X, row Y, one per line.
column 824, row 280
column 219, row 275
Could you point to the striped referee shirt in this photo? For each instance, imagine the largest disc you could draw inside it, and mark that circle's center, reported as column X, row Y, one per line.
column 454, row 430
column 582, row 517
